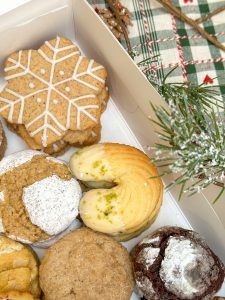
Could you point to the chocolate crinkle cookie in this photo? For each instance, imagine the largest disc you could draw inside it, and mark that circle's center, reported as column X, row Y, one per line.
column 174, row 263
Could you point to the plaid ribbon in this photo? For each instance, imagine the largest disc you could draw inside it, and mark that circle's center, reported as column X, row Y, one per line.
column 171, row 43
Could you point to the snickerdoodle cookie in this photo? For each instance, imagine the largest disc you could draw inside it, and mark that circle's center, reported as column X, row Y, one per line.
column 86, row 265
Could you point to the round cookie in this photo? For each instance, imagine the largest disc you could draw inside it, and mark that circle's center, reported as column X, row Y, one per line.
column 61, row 89
column 39, row 197
column 177, row 264
column 86, row 265
column 18, row 268
column 3, row 142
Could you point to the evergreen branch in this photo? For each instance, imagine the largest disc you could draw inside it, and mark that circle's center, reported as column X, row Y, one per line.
column 194, row 130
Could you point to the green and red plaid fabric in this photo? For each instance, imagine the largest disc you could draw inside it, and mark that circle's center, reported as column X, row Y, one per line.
column 158, row 33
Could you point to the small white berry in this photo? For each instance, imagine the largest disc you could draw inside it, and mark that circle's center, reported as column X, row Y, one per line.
column 39, row 100
column 43, row 71
column 61, row 73
column 55, row 101
column 67, row 89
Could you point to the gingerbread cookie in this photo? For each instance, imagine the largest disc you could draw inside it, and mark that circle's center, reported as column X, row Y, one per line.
column 3, row 142
column 104, row 98
column 52, row 90
column 43, row 202
column 56, row 149
column 93, row 137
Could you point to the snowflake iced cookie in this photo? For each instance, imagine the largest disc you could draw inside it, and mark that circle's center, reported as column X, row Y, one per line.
column 75, row 138
column 52, row 90
column 39, row 199
column 56, row 149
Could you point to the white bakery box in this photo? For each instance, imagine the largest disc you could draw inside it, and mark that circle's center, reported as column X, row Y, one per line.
column 126, row 118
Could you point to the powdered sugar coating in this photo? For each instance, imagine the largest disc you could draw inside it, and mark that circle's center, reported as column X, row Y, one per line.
column 52, row 203
column 150, row 241
column 148, row 255
column 17, row 159
column 185, row 267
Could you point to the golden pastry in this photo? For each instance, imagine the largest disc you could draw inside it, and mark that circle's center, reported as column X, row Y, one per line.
column 132, row 204
column 18, row 268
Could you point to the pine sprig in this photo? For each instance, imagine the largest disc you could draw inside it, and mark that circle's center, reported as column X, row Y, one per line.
column 192, row 137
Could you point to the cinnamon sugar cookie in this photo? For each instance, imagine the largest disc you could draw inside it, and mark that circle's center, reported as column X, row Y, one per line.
column 86, row 265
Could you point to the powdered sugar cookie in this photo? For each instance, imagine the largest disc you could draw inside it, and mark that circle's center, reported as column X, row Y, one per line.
column 39, row 197
column 52, row 90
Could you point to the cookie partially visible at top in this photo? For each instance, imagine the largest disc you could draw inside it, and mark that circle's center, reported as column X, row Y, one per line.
column 3, row 142
column 52, row 90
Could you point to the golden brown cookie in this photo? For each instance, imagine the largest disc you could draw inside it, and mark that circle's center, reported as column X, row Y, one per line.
column 18, row 268
column 93, row 138
column 56, row 149
column 104, row 98
column 39, row 197
column 135, row 198
column 3, row 142
column 86, row 265
column 52, row 90
column 14, row 295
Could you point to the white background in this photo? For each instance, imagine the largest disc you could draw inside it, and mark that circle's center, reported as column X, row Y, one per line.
column 6, row 5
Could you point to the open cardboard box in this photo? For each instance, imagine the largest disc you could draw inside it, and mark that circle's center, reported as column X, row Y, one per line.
column 126, row 118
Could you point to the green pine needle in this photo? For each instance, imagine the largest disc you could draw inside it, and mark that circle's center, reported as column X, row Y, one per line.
column 193, row 127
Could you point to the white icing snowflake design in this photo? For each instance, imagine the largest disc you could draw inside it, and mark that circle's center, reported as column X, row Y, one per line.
column 54, row 75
